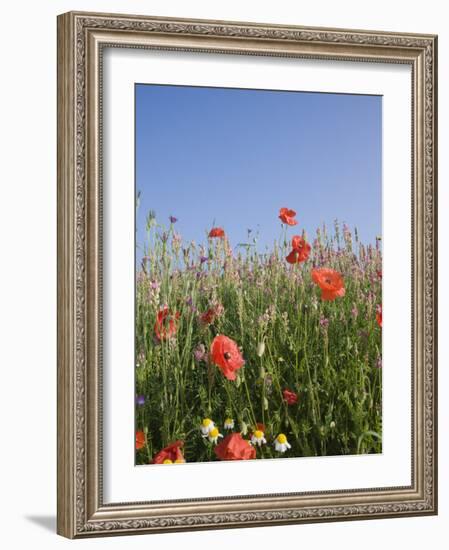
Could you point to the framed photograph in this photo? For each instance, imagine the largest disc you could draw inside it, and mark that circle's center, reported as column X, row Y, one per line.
column 247, row 277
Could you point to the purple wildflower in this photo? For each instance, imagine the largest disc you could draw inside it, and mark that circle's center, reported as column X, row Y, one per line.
column 203, row 259
column 200, row 353
column 140, row 400
column 173, row 219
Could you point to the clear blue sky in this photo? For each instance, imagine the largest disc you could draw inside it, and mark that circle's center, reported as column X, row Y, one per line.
column 233, row 157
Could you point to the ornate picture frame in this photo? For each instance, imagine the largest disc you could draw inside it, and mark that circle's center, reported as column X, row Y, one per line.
column 82, row 40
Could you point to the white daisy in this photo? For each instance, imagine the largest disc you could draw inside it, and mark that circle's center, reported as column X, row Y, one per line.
column 258, row 438
column 214, row 434
column 206, row 426
column 229, row 424
column 281, row 444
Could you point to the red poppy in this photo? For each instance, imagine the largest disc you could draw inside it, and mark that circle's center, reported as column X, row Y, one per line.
column 287, row 216
column 234, row 447
column 330, row 282
column 290, row 397
column 379, row 316
column 216, row 232
column 300, row 252
column 140, row 440
column 208, row 317
column 226, row 355
column 165, row 326
column 171, row 452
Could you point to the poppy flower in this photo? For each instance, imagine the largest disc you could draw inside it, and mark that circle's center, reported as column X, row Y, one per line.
column 290, row 397
column 165, row 326
column 300, row 252
column 379, row 316
column 234, row 447
column 140, row 440
column 171, row 452
column 217, row 232
column 330, row 282
column 209, row 316
column 225, row 353
column 287, row 216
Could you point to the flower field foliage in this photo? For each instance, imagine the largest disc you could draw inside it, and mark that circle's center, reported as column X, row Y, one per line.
column 248, row 355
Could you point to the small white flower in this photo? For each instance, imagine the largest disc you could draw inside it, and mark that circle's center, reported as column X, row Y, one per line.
column 258, row 438
column 281, row 444
column 229, row 424
column 207, row 425
column 214, row 435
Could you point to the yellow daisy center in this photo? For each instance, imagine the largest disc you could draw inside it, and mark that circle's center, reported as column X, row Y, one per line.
column 179, row 461
column 258, row 434
column 207, row 422
column 282, row 438
column 167, row 461
column 228, row 421
column 213, row 432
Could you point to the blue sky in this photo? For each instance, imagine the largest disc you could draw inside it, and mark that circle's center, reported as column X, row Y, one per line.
column 233, row 158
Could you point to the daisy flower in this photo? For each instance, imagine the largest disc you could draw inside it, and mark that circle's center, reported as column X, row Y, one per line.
column 207, row 425
column 229, row 424
column 214, row 434
column 281, row 444
column 258, row 438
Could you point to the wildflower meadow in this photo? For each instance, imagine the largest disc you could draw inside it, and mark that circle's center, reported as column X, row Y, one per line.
column 243, row 354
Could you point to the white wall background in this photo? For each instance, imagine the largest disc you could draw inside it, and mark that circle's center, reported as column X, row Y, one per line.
column 28, row 270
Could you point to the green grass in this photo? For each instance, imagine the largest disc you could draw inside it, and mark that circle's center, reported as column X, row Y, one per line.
column 326, row 352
